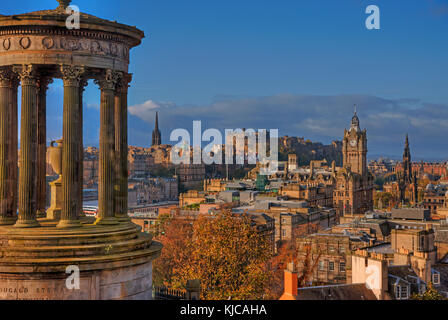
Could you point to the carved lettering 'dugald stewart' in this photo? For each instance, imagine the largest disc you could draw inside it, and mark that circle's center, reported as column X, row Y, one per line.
column 38, row 244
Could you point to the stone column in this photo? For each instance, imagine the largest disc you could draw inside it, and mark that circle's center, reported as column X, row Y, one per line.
column 71, row 207
column 121, row 149
column 42, row 87
column 107, row 83
column 14, row 146
column 82, row 86
column 28, row 148
column 7, row 213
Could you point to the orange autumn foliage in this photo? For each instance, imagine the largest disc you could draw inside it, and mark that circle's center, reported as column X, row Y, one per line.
column 227, row 253
column 224, row 251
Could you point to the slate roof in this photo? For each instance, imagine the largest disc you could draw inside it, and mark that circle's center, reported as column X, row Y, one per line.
column 410, row 214
column 403, row 272
column 336, row 292
column 442, row 268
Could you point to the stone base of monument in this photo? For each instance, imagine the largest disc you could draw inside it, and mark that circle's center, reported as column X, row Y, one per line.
column 114, row 262
column 54, row 212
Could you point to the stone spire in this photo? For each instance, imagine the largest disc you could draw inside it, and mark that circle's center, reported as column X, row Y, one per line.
column 406, row 143
column 355, row 121
column 156, row 135
column 407, row 166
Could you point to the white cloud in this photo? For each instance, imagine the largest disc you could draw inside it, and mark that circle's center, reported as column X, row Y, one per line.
column 319, row 118
column 146, row 110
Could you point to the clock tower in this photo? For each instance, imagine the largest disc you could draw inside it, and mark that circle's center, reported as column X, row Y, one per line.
column 354, row 148
column 353, row 192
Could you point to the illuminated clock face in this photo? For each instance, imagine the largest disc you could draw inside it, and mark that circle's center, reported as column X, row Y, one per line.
column 353, row 143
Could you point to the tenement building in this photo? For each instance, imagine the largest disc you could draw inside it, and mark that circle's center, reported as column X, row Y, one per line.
column 38, row 248
column 353, row 193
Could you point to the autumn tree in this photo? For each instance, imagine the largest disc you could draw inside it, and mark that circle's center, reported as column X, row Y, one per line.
column 176, row 239
column 385, row 197
column 305, row 259
column 430, row 294
column 158, row 229
column 229, row 255
column 286, row 253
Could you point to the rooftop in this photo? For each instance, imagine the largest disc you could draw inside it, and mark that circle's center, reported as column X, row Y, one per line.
column 336, row 292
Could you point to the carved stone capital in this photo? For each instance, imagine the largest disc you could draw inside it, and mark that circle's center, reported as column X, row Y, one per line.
column 110, row 79
column 6, row 77
column 43, row 83
column 123, row 83
column 83, row 83
column 72, row 75
column 27, row 74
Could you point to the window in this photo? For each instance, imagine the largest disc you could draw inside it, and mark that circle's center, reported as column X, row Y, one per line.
column 331, row 266
column 283, row 232
column 342, row 266
column 330, row 248
column 422, row 243
column 435, row 277
column 321, row 265
column 402, row 292
column 342, row 249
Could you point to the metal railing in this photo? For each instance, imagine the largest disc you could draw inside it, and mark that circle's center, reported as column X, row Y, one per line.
column 164, row 293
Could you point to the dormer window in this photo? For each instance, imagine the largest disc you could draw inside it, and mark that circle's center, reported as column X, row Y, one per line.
column 402, row 292
column 435, row 277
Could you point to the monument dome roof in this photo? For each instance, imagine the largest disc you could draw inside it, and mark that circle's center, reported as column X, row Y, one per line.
column 58, row 17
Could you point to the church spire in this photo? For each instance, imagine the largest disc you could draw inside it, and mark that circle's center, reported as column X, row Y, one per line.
column 156, row 135
column 407, row 165
column 407, row 150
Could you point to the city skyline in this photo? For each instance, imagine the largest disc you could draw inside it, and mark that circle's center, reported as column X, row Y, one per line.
column 97, row 202
column 309, row 61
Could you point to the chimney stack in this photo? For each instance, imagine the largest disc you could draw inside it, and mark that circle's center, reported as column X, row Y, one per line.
column 291, row 282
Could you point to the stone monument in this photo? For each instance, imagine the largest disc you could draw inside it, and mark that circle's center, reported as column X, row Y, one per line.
column 54, row 212
column 63, row 254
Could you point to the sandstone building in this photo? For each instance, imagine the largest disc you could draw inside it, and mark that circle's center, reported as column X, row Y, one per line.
column 353, row 193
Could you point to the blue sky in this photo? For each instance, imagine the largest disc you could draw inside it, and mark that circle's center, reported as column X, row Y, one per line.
column 294, row 65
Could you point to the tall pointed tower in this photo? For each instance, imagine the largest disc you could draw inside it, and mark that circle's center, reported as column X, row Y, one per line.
column 353, row 193
column 156, row 135
column 354, row 147
column 407, row 166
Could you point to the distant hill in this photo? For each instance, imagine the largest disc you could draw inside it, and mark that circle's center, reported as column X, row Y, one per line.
column 307, row 150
